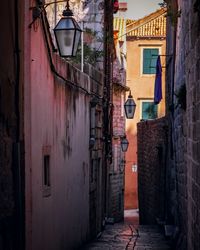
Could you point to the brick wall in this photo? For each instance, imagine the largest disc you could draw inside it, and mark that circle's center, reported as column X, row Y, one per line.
column 118, row 113
column 116, row 199
column 116, row 174
column 152, row 148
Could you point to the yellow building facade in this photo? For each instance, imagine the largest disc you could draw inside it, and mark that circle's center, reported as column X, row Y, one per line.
column 146, row 39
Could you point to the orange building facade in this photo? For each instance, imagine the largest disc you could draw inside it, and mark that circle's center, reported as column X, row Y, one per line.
column 146, row 39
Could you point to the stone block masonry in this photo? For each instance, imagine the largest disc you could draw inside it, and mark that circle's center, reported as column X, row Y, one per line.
column 183, row 42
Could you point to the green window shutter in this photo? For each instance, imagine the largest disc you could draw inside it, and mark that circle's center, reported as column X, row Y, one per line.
column 149, row 111
column 149, row 60
column 144, row 112
column 146, row 61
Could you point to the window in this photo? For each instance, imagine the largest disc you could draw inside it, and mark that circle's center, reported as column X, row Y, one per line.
column 46, row 171
column 46, row 180
column 149, row 60
column 149, row 110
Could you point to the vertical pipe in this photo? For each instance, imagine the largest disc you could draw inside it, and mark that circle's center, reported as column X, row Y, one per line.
column 82, row 47
column 55, row 13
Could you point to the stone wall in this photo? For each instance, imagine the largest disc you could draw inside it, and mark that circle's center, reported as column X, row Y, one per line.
column 183, row 83
column 152, row 148
column 96, row 153
column 58, row 100
column 187, row 72
column 116, row 198
column 10, row 126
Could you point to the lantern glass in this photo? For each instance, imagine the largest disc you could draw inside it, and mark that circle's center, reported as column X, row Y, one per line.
column 130, row 107
column 76, row 41
column 124, row 144
column 67, row 33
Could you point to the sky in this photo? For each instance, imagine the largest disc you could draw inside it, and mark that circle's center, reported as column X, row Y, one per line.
column 141, row 8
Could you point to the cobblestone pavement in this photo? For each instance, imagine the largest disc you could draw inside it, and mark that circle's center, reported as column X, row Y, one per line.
column 129, row 235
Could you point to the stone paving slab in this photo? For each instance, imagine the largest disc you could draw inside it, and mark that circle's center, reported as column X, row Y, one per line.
column 129, row 235
column 124, row 236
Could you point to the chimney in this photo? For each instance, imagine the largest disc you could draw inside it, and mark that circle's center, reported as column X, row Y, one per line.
column 123, row 6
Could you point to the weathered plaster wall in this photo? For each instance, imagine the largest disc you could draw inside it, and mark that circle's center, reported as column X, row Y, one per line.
column 59, row 125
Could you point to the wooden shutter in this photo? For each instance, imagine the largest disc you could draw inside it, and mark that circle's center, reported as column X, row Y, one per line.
column 149, row 61
column 149, row 111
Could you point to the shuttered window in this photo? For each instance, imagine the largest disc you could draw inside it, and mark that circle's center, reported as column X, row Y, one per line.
column 149, row 60
column 149, row 110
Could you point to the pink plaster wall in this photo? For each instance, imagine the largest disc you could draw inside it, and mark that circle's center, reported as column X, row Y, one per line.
column 131, row 182
column 56, row 117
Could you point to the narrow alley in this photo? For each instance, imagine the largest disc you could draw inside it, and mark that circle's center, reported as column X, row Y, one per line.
column 130, row 235
column 100, row 125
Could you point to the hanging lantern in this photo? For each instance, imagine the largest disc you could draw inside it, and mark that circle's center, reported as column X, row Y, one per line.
column 67, row 33
column 124, row 144
column 130, row 107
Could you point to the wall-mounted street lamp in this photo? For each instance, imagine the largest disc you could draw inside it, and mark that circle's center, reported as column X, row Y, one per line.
column 124, row 144
column 122, row 165
column 67, row 30
column 130, row 107
column 67, row 33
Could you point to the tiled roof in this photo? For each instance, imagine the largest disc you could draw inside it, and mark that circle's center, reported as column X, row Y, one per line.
column 119, row 24
column 153, row 25
column 129, row 21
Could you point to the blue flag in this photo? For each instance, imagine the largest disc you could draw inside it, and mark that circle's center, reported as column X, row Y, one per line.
column 158, row 82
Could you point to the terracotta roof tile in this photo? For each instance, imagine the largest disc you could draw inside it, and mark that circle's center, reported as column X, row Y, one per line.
column 119, row 24
column 153, row 25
